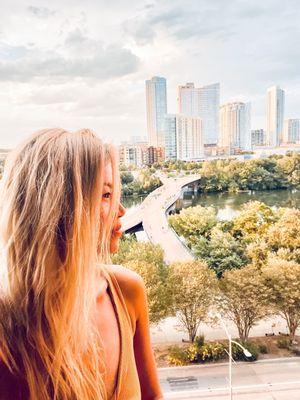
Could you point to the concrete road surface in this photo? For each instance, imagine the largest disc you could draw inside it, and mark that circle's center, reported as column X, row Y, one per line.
column 277, row 379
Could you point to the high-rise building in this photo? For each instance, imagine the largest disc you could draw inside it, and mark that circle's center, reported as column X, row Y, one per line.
column 140, row 154
column 154, row 155
column 235, row 129
column 202, row 102
column 275, row 116
column 189, row 137
column 130, row 154
column 170, row 137
column 156, row 107
column 291, row 131
column 258, row 137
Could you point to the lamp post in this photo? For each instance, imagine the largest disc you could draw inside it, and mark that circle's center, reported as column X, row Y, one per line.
column 245, row 351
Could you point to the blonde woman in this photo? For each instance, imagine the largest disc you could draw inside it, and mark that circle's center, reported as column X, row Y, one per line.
column 72, row 326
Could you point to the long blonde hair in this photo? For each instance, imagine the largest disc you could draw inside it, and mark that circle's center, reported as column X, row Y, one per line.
column 53, row 243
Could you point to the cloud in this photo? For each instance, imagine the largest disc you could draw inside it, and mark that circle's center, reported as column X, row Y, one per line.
column 94, row 61
column 181, row 21
column 87, row 63
column 140, row 30
column 41, row 12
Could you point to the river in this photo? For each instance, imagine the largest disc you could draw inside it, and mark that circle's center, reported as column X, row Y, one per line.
column 228, row 204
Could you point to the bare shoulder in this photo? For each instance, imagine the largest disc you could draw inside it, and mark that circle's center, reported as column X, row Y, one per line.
column 129, row 281
column 131, row 285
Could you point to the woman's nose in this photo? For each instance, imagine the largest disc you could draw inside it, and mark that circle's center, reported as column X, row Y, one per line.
column 122, row 210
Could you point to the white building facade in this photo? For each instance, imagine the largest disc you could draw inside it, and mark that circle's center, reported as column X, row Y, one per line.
column 258, row 137
column 275, row 116
column 235, row 126
column 131, row 154
column 202, row 102
column 291, row 131
column 189, row 138
column 156, row 109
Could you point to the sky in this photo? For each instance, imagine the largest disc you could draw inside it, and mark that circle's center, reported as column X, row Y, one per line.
column 83, row 64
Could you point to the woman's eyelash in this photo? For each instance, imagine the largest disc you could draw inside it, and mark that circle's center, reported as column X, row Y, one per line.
column 106, row 194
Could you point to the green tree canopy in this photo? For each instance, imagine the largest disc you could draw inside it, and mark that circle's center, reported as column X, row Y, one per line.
column 126, row 177
column 221, row 251
column 193, row 288
column 283, row 237
column 132, row 250
column 155, row 278
column 193, row 222
column 253, row 221
column 282, row 278
column 244, row 298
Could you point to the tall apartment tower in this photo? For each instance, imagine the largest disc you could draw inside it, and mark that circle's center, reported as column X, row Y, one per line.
column 189, row 138
column 291, row 131
column 170, row 137
column 275, row 116
column 258, row 137
column 235, row 126
column 156, row 107
column 202, row 102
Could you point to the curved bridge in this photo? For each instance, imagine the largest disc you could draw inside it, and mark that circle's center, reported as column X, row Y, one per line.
column 151, row 216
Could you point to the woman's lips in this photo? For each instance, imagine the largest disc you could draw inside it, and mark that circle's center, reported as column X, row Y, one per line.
column 117, row 233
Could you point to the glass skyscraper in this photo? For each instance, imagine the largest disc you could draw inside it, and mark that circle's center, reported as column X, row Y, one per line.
column 202, row 102
column 170, row 137
column 275, row 116
column 156, row 104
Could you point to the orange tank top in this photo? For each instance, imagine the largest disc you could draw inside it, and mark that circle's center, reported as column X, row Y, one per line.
column 128, row 385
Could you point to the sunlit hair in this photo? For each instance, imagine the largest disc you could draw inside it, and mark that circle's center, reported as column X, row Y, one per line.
column 54, row 243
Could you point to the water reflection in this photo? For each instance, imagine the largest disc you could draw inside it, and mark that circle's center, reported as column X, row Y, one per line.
column 228, row 204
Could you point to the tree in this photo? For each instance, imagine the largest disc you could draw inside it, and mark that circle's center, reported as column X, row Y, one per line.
column 192, row 287
column 132, row 250
column 290, row 164
column 244, row 298
column 282, row 277
column 221, row 251
column 283, row 237
column 194, row 221
column 126, row 177
column 147, row 259
column 155, row 278
column 258, row 252
column 253, row 221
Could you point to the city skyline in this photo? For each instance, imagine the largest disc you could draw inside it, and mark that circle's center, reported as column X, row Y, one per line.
column 75, row 65
column 202, row 102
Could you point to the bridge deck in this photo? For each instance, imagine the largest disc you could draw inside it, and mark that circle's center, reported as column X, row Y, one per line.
column 152, row 214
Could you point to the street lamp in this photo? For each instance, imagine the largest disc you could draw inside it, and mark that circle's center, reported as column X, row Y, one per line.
column 245, row 351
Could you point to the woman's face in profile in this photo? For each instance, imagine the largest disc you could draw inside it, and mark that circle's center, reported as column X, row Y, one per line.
column 106, row 201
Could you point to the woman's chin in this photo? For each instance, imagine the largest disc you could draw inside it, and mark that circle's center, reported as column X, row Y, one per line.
column 114, row 245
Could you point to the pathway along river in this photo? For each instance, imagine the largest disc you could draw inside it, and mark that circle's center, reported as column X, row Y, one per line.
column 228, row 204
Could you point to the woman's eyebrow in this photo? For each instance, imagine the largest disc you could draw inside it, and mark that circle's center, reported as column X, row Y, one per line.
column 108, row 184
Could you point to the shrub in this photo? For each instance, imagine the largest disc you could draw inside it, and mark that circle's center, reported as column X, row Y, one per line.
column 296, row 351
column 284, row 343
column 238, row 353
column 193, row 352
column 263, row 349
column 199, row 340
column 177, row 356
column 211, row 352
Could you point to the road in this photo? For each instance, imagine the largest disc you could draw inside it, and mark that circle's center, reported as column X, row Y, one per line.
column 277, row 379
column 152, row 214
